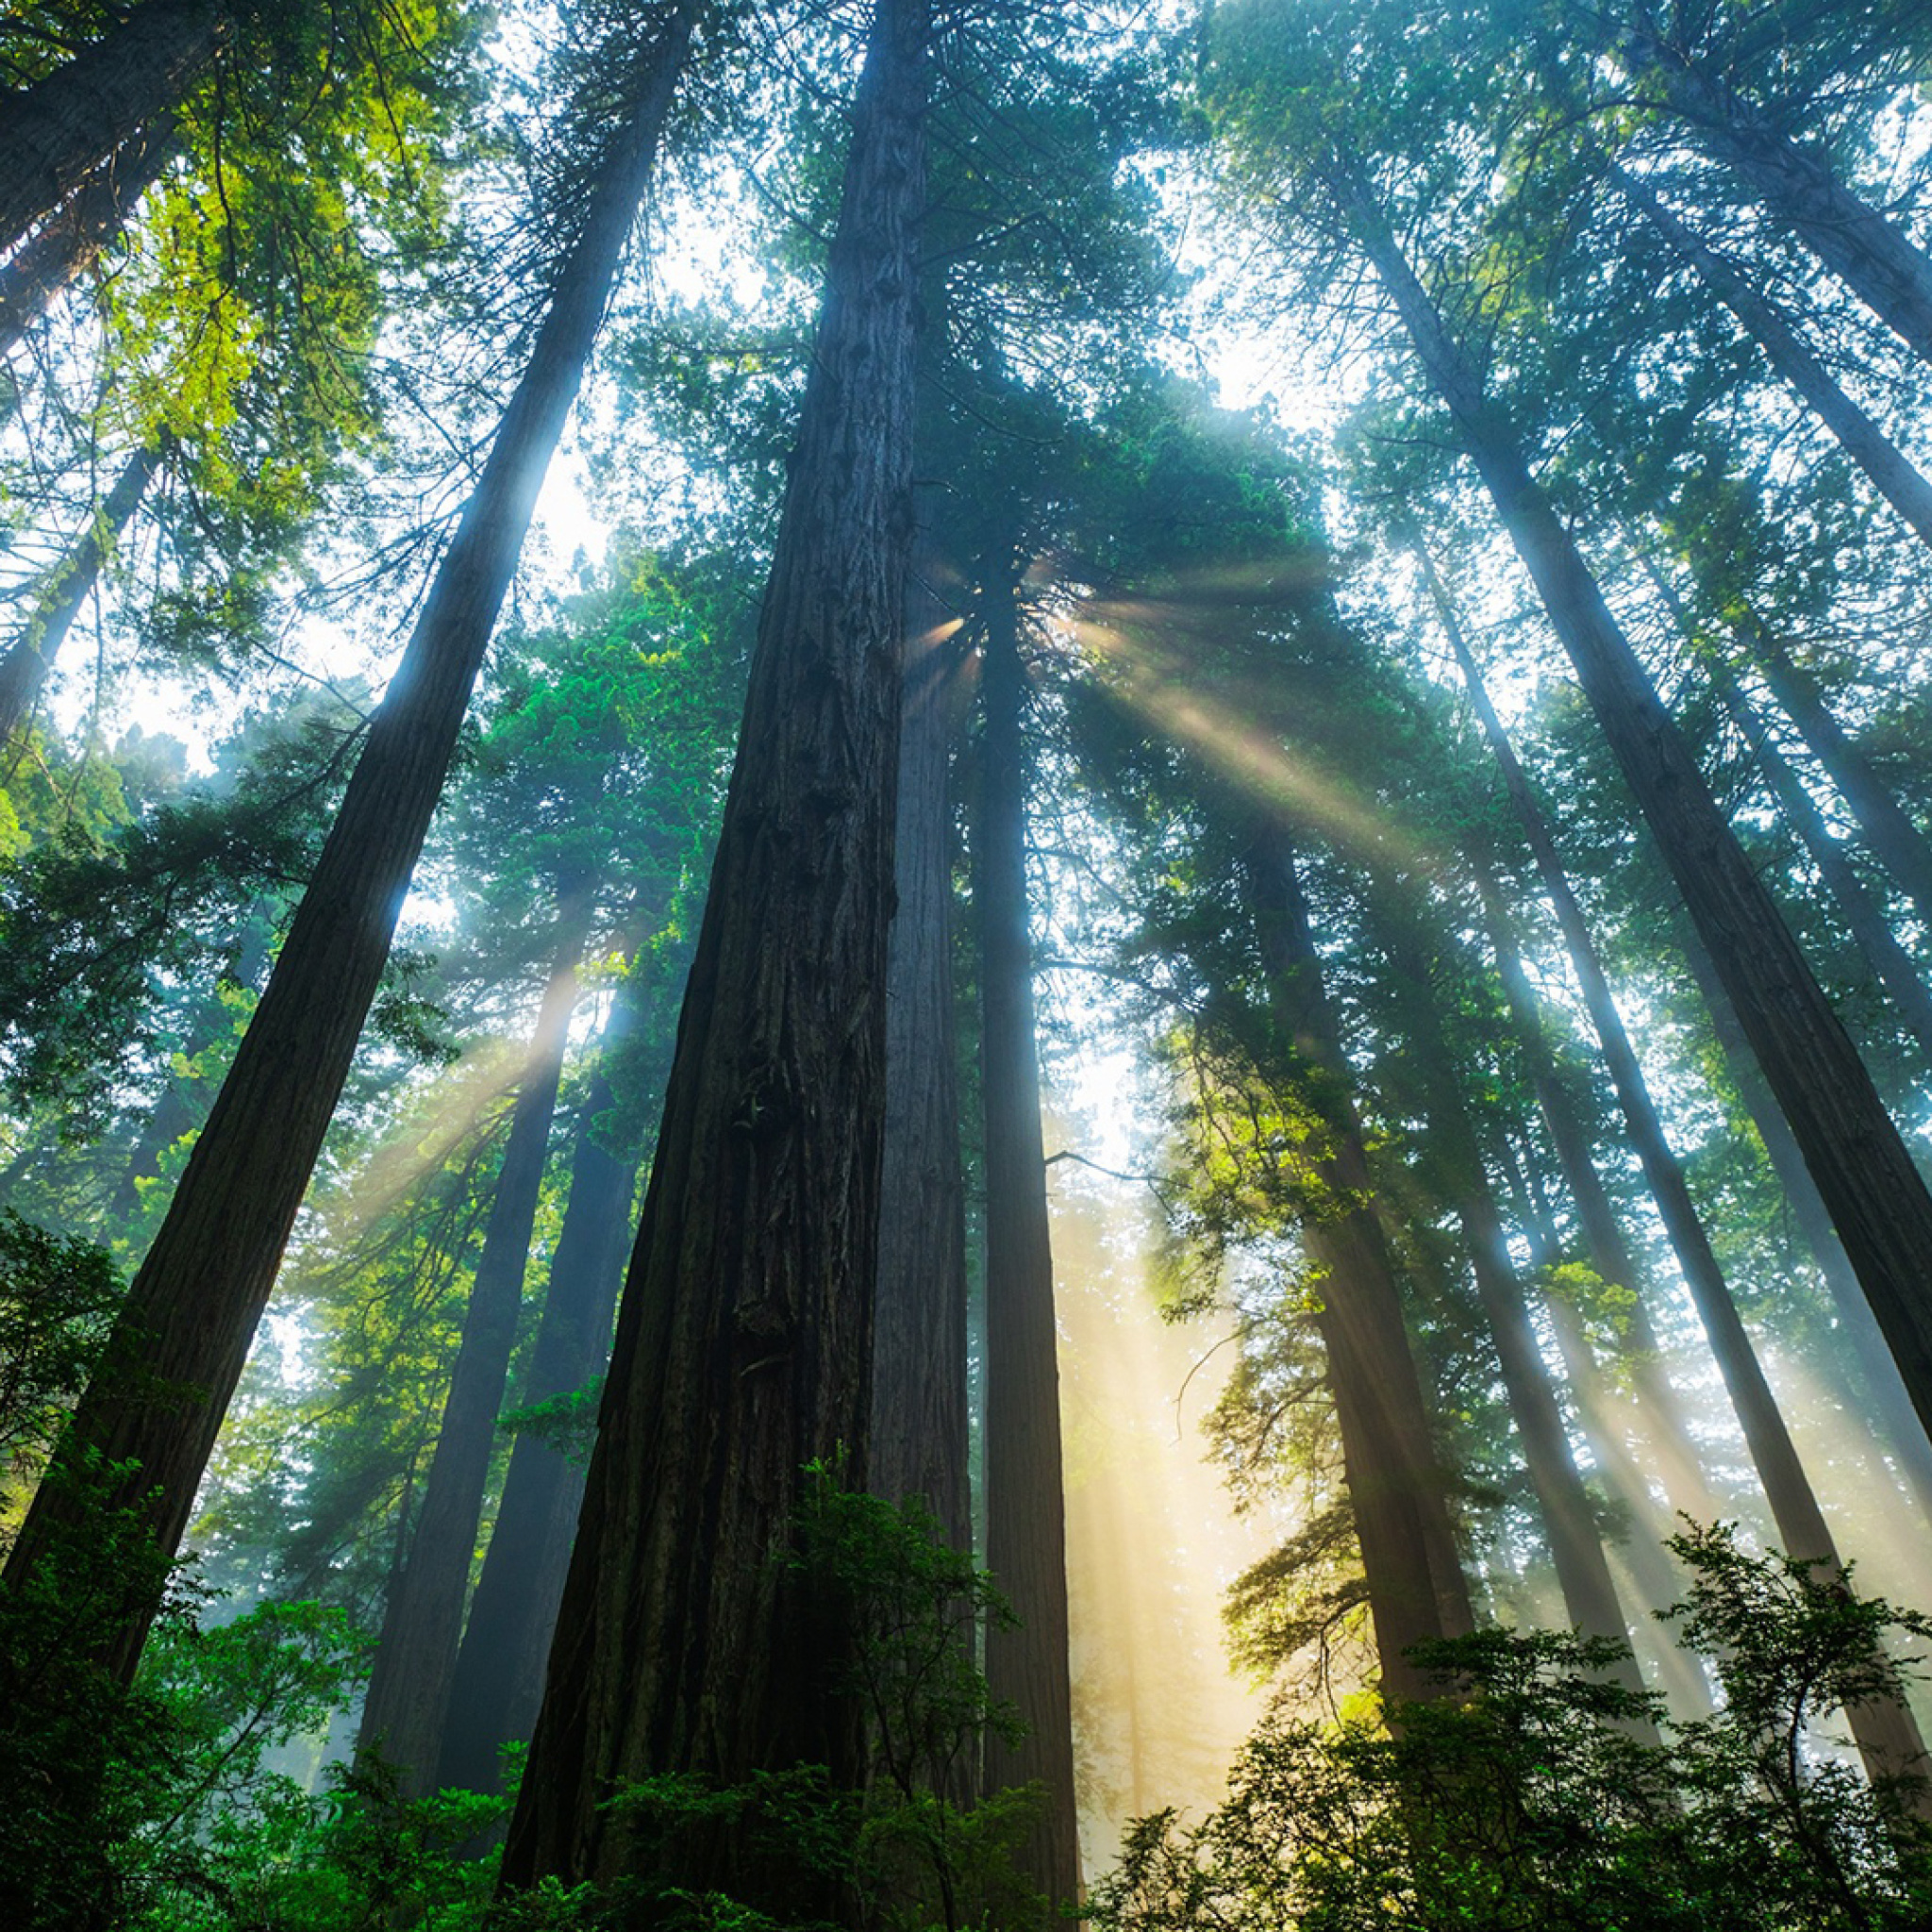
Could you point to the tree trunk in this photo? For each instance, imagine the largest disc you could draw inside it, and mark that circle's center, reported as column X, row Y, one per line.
column 72, row 237
column 498, row 1683
column 919, row 1433
column 1894, row 838
column 177, row 1352
column 1417, row 1590
column 685, row 1643
column 1866, row 252
column 62, row 128
column 1026, row 1509
column 1891, row 470
column 1877, row 1199
column 1887, row 1737
column 68, row 586
column 415, row 1662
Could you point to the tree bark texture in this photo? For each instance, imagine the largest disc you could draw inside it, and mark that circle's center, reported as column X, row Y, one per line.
column 1026, row 1508
column 416, row 1660
column 57, row 132
column 177, row 1352
column 70, row 241
column 1886, row 1734
column 1871, row 255
column 1877, row 1199
column 1889, row 470
column 498, row 1683
column 919, row 1430
column 685, row 1641
column 1417, row 1589
column 31, row 656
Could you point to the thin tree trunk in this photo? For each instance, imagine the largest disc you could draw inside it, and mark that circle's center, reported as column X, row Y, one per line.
column 1026, row 1508
column 29, row 657
column 192, row 1309
column 1877, row 1199
column 1894, row 839
column 919, row 1434
column 744, row 1340
column 1872, row 257
column 1416, row 1589
column 1887, row 1736
column 498, row 1683
column 1891, row 470
column 73, row 235
column 415, row 1662
column 59, row 131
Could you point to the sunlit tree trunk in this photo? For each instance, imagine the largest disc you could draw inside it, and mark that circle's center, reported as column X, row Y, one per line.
column 1887, row 1736
column 59, row 131
column 1026, row 1509
column 177, row 1352
column 918, row 1350
column 415, row 1662
column 499, row 1676
column 1868, row 253
column 72, row 237
column 1877, row 1199
column 1891, row 470
column 1416, row 1589
column 31, row 656
column 744, row 1339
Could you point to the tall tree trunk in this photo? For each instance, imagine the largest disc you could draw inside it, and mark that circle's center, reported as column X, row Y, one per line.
column 72, row 237
column 59, row 131
column 919, row 1434
column 1583, row 1572
column 176, row 1350
column 1896, row 843
column 68, row 586
column 1887, row 1736
column 498, row 1683
column 1877, row 1199
column 1891, row 470
column 415, row 1662
column 744, row 1340
column 1896, row 968
column 1872, row 257
column 1416, row 1589
column 1026, row 1508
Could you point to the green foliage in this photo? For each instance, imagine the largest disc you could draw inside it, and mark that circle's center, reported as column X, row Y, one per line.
column 566, row 1423
column 1522, row 1798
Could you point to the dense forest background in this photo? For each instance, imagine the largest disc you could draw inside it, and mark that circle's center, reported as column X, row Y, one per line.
column 962, row 957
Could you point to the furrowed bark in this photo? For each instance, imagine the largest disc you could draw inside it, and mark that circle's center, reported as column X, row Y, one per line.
column 59, row 131
column 1891, row 470
column 1416, row 1589
column 177, row 1352
column 685, row 1642
column 1026, row 1508
column 416, row 1660
column 29, row 657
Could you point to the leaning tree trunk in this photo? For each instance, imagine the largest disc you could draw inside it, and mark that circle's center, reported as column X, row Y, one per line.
column 498, row 1683
column 416, row 1659
column 685, row 1643
column 919, row 1432
column 71, row 240
column 1891, row 470
column 176, row 1350
column 62, row 128
column 1416, row 1589
column 1872, row 257
column 1026, row 1509
column 1887, row 1736
column 1878, row 1201
column 1583, row 1572
column 68, row 586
